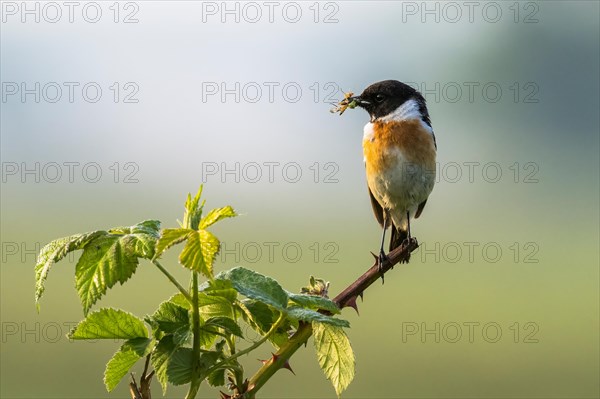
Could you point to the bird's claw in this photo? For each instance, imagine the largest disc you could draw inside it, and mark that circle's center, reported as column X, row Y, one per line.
column 381, row 260
column 405, row 244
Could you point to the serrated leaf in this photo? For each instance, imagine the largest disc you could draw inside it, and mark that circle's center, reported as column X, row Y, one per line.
column 334, row 354
column 215, row 215
column 160, row 359
column 221, row 288
column 124, row 359
column 179, row 366
column 174, row 364
column 150, row 227
column 314, row 302
column 173, row 319
column 310, row 315
column 180, row 300
column 111, row 259
column 225, row 323
column 55, row 251
column 210, row 248
column 261, row 317
column 184, row 333
column 216, row 378
column 214, row 306
column 109, row 323
column 200, row 251
column 170, row 237
column 207, row 338
column 256, row 286
column 207, row 360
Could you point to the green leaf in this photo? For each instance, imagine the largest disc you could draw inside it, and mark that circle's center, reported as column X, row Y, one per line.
column 180, row 300
column 170, row 237
column 225, row 323
column 112, row 258
column 179, row 366
column 160, row 357
column 256, row 286
column 200, row 251
column 217, row 214
column 311, row 315
column 210, row 248
column 207, row 338
column 214, row 306
column 55, row 251
column 174, row 324
column 315, row 302
column 335, row 355
column 216, row 378
column 174, row 364
column 124, row 359
column 161, row 361
column 207, row 360
column 193, row 211
column 150, row 227
column 259, row 315
column 261, row 318
column 109, row 323
column 173, row 319
column 221, row 288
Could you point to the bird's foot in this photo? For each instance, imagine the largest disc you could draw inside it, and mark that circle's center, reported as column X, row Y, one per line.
column 381, row 259
column 405, row 244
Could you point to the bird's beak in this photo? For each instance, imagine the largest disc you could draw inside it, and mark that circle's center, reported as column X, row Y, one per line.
column 349, row 102
column 357, row 101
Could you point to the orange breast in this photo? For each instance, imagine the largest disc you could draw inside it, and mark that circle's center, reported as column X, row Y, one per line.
column 410, row 137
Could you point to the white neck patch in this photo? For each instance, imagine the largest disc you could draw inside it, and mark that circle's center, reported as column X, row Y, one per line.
column 368, row 132
column 407, row 111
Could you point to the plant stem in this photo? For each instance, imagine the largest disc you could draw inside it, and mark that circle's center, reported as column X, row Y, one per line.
column 196, row 380
column 251, row 347
column 261, row 341
column 183, row 291
column 259, row 379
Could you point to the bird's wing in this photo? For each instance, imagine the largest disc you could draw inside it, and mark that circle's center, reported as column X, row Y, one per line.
column 420, row 209
column 377, row 209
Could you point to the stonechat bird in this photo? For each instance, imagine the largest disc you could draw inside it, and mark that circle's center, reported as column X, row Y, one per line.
column 399, row 152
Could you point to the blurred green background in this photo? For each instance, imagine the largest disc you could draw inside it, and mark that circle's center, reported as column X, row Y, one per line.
column 500, row 301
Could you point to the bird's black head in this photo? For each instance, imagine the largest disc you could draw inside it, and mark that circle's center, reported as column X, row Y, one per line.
column 382, row 98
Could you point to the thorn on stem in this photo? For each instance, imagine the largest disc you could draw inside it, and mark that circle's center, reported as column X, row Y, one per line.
column 274, row 358
column 376, row 258
column 352, row 303
column 286, row 365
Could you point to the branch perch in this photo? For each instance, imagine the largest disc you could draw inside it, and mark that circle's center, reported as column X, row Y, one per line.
column 346, row 298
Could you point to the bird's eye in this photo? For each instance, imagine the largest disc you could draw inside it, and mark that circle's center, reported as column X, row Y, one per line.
column 379, row 98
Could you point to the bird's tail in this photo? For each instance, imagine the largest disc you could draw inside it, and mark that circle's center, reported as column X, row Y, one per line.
column 397, row 238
